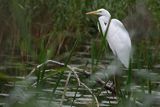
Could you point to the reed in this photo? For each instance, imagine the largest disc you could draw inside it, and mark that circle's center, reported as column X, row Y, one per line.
column 35, row 31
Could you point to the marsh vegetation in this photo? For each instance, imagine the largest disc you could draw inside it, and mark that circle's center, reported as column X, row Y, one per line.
column 53, row 55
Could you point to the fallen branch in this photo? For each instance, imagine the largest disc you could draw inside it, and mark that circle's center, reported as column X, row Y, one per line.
column 73, row 70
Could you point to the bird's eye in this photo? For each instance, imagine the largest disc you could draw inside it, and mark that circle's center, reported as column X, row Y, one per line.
column 100, row 11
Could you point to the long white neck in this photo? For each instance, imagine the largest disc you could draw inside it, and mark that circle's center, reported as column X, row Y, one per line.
column 104, row 23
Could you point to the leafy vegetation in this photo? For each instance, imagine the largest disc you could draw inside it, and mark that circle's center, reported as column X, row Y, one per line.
column 33, row 31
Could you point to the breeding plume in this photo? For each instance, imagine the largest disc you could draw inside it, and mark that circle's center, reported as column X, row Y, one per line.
column 117, row 36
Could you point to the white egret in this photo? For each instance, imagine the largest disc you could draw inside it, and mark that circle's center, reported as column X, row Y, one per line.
column 117, row 36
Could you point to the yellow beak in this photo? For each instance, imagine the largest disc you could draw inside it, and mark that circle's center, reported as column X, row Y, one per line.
column 92, row 12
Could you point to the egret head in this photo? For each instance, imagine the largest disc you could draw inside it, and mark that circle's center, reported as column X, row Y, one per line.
column 100, row 12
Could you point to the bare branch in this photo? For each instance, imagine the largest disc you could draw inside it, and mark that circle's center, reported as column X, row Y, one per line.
column 65, row 89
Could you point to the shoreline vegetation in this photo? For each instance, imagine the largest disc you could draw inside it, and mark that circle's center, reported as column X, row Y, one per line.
column 52, row 54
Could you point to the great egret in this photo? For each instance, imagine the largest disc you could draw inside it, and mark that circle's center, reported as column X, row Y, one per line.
column 117, row 36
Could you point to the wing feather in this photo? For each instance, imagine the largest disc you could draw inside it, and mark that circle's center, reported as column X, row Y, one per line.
column 119, row 41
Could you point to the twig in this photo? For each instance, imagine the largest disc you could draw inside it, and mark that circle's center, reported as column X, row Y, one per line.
column 73, row 69
column 77, row 77
column 65, row 89
column 84, row 85
column 40, row 65
column 91, row 93
column 75, row 95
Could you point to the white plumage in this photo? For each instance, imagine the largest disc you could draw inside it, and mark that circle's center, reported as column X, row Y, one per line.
column 117, row 36
column 119, row 41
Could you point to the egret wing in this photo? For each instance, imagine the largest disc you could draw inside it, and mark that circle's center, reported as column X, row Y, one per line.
column 119, row 41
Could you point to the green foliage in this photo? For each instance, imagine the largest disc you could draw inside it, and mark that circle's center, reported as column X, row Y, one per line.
column 52, row 26
column 43, row 26
column 37, row 30
column 154, row 7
